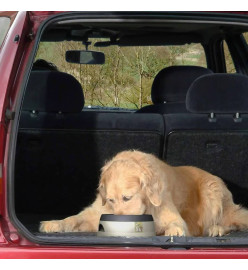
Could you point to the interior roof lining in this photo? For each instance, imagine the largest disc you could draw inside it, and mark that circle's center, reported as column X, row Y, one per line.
column 179, row 28
column 157, row 25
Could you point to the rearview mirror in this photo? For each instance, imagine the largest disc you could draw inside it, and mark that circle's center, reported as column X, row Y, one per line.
column 85, row 57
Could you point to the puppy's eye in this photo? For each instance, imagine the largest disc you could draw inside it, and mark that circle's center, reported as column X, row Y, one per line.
column 126, row 198
column 111, row 200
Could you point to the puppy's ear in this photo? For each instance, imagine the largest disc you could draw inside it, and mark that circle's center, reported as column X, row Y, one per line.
column 102, row 192
column 101, row 188
column 153, row 191
column 151, row 183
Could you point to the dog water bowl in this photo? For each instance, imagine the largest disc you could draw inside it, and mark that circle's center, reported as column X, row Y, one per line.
column 126, row 225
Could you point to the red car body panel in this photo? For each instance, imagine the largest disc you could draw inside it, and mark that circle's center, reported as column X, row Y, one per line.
column 34, row 252
column 14, row 54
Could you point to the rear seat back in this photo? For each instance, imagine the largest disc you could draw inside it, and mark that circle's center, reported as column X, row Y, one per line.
column 60, row 152
column 218, row 93
column 53, row 91
column 169, row 89
column 215, row 136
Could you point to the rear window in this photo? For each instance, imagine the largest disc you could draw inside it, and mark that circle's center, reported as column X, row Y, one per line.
column 4, row 26
column 125, row 80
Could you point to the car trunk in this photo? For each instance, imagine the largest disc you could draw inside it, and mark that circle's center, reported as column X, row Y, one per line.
column 57, row 153
column 57, row 173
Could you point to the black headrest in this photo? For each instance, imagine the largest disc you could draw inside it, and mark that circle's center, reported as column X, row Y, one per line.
column 172, row 83
column 53, row 91
column 218, row 93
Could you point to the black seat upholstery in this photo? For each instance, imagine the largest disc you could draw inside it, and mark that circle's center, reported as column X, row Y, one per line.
column 214, row 136
column 218, row 93
column 53, row 91
column 170, row 87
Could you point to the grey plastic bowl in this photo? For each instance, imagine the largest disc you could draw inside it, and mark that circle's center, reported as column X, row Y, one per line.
column 126, row 225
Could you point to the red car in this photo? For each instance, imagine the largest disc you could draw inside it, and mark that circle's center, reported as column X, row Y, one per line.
column 78, row 87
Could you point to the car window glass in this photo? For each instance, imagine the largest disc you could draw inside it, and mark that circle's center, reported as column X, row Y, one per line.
column 125, row 80
column 4, row 26
column 230, row 68
column 246, row 37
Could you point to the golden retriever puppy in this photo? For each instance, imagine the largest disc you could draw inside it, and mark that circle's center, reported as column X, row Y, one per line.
column 184, row 200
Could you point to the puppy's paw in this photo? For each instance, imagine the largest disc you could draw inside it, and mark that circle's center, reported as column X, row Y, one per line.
column 51, row 226
column 216, row 230
column 175, row 230
column 88, row 227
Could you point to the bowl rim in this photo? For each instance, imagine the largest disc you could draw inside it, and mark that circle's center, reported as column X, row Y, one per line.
column 126, row 218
